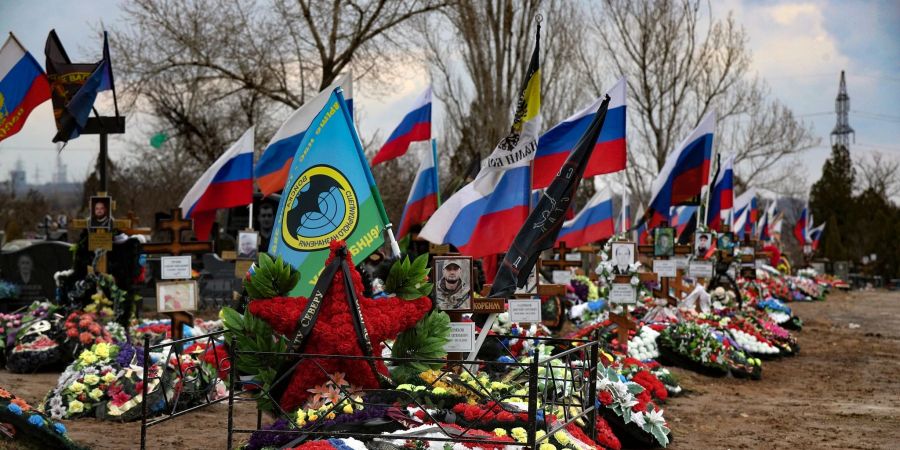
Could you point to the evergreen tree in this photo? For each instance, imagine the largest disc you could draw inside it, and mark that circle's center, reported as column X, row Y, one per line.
column 832, row 197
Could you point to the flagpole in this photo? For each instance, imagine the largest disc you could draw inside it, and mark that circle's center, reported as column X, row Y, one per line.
column 395, row 248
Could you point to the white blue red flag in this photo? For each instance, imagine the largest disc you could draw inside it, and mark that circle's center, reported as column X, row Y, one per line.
column 686, row 171
column 609, row 154
column 681, row 218
column 226, row 184
column 815, row 235
column 721, row 198
column 765, row 222
column 593, row 223
column 423, row 199
column 23, row 86
column 744, row 213
column 415, row 127
column 801, row 228
column 275, row 162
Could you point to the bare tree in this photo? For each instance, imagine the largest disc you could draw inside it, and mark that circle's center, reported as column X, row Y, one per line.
column 210, row 69
column 478, row 52
column 879, row 173
column 678, row 68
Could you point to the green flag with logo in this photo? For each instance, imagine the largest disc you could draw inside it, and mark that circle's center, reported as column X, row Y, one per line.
column 330, row 194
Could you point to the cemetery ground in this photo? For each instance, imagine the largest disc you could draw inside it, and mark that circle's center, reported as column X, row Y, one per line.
column 840, row 392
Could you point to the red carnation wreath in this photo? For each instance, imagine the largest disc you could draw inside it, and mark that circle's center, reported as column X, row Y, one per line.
column 333, row 333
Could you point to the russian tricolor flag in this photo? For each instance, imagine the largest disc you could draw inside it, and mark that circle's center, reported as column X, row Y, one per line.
column 555, row 145
column 685, row 173
column 765, row 223
column 815, row 235
column 423, row 198
column 681, row 218
column 744, row 213
column 484, row 216
column 275, row 162
column 593, row 223
column 721, row 198
column 226, row 184
column 801, row 228
column 415, row 127
column 23, row 86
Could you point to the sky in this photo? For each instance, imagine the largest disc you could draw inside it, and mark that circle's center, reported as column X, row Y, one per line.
column 799, row 49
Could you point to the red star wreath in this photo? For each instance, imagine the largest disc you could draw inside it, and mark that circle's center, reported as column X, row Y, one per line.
column 333, row 333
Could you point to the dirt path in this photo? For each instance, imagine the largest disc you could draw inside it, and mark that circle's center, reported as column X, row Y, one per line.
column 842, row 391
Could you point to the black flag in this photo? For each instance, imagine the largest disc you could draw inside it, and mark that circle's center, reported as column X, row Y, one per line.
column 542, row 226
column 65, row 78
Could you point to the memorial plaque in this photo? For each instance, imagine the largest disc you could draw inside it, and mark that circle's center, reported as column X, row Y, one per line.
column 665, row 267
column 701, row 269
column 175, row 267
column 527, row 310
column 622, row 294
column 462, row 337
column 488, row 305
column 100, row 239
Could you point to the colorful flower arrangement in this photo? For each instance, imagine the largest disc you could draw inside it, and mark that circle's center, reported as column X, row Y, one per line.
column 696, row 343
column 84, row 329
column 622, row 398
column 30, row 427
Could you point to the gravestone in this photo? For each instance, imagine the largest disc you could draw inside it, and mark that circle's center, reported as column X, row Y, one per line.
column 842, row 270
column 32, row 268
column 217, row 281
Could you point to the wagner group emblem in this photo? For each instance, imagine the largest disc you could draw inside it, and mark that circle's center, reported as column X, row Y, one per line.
column 321, row 206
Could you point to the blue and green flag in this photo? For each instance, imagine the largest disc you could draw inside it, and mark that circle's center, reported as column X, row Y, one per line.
column 330, row 194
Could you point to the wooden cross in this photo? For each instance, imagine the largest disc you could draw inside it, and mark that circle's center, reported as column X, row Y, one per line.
column 679, row 288
column 623, row 325
column 176, row 246
column 561, row 263
column 663, row 290
column 133, row 228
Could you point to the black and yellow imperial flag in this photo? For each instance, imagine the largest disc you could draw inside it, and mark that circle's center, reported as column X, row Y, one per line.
column 543, row 224
column 65, row 78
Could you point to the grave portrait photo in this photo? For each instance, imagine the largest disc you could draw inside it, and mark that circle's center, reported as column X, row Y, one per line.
column 664, row 241
column 172, row 296
column 622, row 256
column 702, row 244
column 726, row 243
column 247, row 244
column 101, row 217
column 453, row 283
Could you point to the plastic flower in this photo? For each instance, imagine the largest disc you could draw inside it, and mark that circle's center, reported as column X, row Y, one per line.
column 87, row 357
column 519, row 434
column 656, row 418
column 95, row 394
column 60, row 428
column 91, row 379
column 109, row 377
column 439, row 391
column 102, row 350
column 36, row 420
column 561, row 438
column 76, row 388
column 500, row 432
column 547, row 446
column 14, row 408
column 4, row 393
column 75, row 406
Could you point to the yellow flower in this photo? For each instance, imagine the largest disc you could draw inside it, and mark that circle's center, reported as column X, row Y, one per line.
column 330, row 416
column 547, row 446
column 561, row 438
column 438, row 391
column 348, row 409
column 500, row 432
column 496, row 385
column 102, row 350
column 75, row 406
column 96, row 394
column 539, row 434
column 76, row 388
column 91, row 379
column 519, row 434
column 313, row 417
column 109, row 377
column 88, row 357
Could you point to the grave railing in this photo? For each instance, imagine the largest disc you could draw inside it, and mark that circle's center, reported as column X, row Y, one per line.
column 185, row 386
column 564, row 383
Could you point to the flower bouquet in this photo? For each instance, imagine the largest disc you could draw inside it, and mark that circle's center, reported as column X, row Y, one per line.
column 628, row 409
column 693, row 346
column 643, row 345
column 35, row 342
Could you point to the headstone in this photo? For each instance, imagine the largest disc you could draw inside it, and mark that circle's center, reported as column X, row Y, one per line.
column 842, row 270
column 32, row 269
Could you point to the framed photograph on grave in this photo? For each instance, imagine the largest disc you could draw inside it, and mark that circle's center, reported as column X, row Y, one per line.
column 623, row 256
column 726, row 243
column 172, row 296
column 664, row 241
column 747, row 250
column 702, row 244
column 101, row 214
column 247, row 244
column 453, row 283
